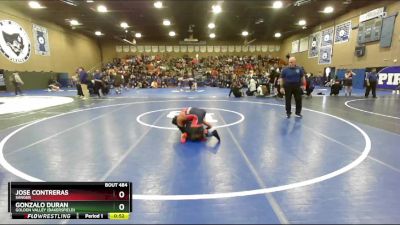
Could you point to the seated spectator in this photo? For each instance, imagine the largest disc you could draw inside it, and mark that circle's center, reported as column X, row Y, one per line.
column 262, row 90
column 236, row 89
column 336, row 87
column 309, row 84
column 154, row 84
column 53, row 85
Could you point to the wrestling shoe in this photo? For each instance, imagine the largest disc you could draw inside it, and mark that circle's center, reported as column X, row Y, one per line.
column 215, row 134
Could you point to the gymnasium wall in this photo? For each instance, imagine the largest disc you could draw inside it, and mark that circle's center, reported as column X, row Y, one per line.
column 68, row 49
column 343, row 53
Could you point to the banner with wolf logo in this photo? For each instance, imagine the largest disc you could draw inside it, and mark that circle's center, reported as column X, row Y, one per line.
column 313, row 42
column 41, row 37
column 327, row 37
column 325, row 55
column 342, row 32
column 14, row 42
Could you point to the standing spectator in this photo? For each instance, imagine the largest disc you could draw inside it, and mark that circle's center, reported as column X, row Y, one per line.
column 348, row 82
column 98, row 83
column 252, row 87
column 17, row 82
column 292, row 83
column 273, row 76
column 118, row 80
column 371, row 81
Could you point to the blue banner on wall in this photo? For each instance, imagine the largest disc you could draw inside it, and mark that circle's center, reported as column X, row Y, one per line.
column 389, row 77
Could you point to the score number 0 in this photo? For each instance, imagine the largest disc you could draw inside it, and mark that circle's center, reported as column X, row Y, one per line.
column 121, row 195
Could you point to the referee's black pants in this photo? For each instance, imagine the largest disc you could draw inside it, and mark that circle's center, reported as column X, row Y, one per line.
column 372, row 86
column 294, row 90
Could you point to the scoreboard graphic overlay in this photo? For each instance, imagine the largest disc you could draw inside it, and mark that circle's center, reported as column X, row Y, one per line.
column 70, row 200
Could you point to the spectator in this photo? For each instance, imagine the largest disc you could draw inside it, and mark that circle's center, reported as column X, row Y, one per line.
column 154, row 84
column 252, row 87
column 336, row 87
column 53, row 85
column 98, row 83
column 118, row 80
column 348, row 82
column 17, row 82
column 236, row 89
column 310, row 84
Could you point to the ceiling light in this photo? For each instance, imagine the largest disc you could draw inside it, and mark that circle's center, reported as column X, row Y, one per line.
column 102, row 9
column 124, row 25
column 171, row 33
column 277, row 5
column 35, row 5
column 158, row 4
column 302, row 22
column 245, row 33
column 89, row 1
column 138, row 35
column 212, row 35
column 211, row 25
column 74, row 22
column 328, row 9
column 98, row 33
column 278, row 35
column 166, row 22
column 216, row 9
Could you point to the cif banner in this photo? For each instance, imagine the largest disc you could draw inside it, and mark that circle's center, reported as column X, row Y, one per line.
column 41, row 40
column 389, row 77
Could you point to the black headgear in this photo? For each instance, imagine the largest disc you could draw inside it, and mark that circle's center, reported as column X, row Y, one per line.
column 174, row 120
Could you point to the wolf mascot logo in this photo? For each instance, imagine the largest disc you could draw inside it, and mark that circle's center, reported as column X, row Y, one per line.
column 14, row 42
